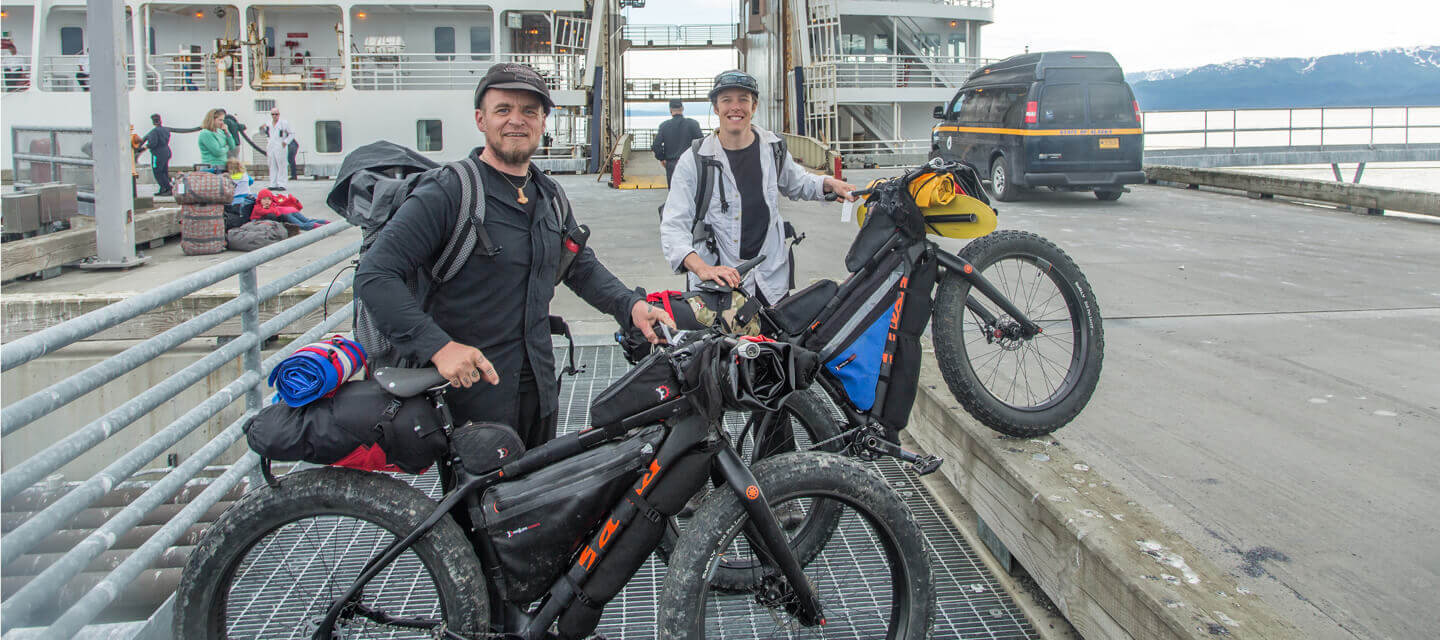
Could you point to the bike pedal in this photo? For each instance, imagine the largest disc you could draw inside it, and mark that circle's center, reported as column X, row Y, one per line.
column 927, row 465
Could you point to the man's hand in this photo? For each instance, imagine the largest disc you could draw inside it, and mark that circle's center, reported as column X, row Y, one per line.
column 644, row 316
column 464, row 366
column 840, row 188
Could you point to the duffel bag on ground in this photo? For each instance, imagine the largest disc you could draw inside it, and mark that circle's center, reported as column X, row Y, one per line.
column 255, row 234
column 202, row 229
column 203, row 187
column 361, row 426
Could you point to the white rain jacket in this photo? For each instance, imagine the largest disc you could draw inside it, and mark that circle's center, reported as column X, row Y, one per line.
column 772, row 275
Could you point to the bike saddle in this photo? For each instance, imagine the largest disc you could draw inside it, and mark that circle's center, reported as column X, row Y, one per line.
column 408, row 383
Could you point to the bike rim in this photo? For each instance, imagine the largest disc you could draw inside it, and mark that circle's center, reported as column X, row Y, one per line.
column 285, row 581
column 849, row 577
column 1038, row 373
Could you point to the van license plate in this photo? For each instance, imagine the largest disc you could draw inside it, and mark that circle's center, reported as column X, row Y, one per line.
column 1109, row 143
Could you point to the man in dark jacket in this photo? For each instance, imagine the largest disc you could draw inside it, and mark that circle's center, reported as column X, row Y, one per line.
column 158, row 142
column 490, row 322
column 673, row 138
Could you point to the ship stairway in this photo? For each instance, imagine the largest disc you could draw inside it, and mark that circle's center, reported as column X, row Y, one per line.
column 876, row 120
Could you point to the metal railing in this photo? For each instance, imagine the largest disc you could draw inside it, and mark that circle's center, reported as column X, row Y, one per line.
column 681, row 35
column 421, row 71
column 308, row 73
column 1290, row 127
column 951, row 3
column 53, row 154
column 903, row 72
column 16, row 73
column 72, row 73
column 810, row 152
column 188, row 72
column 882, row 153
column 661, row 89
column 18, row 608
column 642, row 139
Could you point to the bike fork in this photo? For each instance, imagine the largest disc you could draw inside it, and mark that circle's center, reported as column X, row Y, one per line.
column 767, row 538
column 964, row 269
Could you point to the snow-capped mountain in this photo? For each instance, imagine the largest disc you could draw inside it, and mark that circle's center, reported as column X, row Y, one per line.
column 1390, row 77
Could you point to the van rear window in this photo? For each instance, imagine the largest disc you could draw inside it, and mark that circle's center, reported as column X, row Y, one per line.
column 1110, row 104
column 1062, row 106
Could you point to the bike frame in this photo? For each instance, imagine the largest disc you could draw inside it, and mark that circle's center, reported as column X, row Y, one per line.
column 686, row 433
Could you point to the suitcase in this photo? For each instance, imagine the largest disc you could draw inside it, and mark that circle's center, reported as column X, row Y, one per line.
column 202, row 229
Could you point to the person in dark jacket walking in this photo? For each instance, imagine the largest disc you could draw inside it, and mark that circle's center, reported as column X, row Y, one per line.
column 157, row 141
column 673, row 138
column 491, row 322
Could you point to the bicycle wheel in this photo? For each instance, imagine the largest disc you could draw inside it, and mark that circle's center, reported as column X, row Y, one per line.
column 1020, row 387
column 809, row 525
column 273, row 563
column 873, row 581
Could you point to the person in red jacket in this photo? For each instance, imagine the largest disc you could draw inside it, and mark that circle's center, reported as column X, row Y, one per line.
column 285, row 208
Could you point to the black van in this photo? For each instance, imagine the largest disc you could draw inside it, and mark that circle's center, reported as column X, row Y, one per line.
column 1062, row 119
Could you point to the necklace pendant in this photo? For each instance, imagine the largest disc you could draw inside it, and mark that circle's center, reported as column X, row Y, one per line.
column 520, row 196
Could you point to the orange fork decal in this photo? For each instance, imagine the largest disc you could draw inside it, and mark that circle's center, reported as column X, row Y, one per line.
column 649, row 475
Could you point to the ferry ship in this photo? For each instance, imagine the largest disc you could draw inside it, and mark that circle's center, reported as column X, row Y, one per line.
column 859, row 75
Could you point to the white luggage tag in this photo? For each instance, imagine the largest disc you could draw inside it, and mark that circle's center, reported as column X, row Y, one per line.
column 847, row 212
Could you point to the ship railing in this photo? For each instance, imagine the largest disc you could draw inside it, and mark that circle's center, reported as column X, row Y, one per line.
column 72, row 73
column 302, row 73
column 681, row 35
column 42, row 592
column 42, row 154
column 984, row 4
column 1290, row 127
column 642, row 139
column 187, row 72
column 902, row 71
column 16, row 72
column 661, row 89
column 883, row 153
column 441, row 71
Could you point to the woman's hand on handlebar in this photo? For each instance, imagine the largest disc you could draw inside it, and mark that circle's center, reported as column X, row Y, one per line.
column 840, row 188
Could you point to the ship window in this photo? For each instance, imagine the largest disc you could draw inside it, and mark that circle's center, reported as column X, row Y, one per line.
column 269, row 42
column 479, row 42
column 882, row 43
column 152, row 41
column 444, row 42
column 327, row 136
column 72, row 41
column 852, row 44
column 428, row 135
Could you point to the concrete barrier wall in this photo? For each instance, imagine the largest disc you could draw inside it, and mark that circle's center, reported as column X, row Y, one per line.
column 810, row 152
column 1336, row 192
column 1111, row 567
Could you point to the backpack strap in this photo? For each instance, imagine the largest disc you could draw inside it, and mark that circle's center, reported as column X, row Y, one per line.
column 469, row 225
column 699, row 230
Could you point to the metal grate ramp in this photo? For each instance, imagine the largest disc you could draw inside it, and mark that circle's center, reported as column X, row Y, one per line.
column 969, row 601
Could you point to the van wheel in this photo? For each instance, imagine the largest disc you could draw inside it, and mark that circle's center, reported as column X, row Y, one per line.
column 1108, row 195
column 1000, row 185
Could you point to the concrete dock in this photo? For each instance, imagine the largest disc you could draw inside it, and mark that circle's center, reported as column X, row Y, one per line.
column 1271, row 389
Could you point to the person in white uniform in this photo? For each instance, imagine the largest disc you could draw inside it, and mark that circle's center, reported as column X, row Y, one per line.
column 278, row 134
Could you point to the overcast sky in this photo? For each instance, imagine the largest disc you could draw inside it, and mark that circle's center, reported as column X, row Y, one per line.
column 1143, row 34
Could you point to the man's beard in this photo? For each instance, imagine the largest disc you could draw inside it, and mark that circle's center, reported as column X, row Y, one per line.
column 519, row 155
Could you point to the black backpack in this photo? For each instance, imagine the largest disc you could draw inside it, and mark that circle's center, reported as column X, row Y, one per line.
column 376, row 179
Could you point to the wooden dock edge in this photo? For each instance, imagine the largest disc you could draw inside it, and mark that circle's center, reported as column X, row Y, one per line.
column 33, row 255
column 1108, row 564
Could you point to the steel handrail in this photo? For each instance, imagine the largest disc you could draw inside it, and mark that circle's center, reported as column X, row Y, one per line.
column 18, row 608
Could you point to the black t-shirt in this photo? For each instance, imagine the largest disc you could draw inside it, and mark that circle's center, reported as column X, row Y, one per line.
column 754, row 212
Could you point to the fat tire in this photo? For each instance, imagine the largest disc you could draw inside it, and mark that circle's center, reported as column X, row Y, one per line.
column 682, row 595
column 373, row 497
column 810, row 412
column 1005, row 191
column 949, row 336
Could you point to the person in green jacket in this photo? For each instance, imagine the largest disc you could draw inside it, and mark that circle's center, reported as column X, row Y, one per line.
column 215, row 142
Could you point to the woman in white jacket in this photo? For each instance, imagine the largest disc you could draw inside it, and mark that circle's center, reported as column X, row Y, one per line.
column 743, row 212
